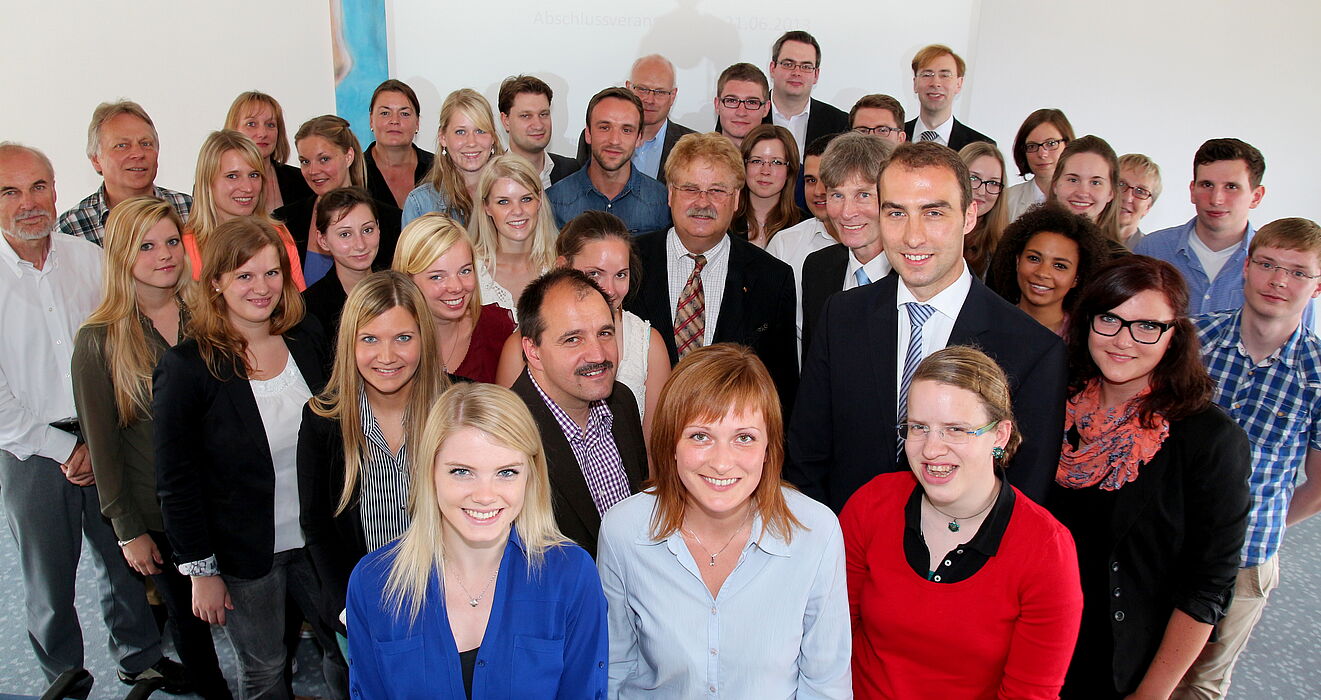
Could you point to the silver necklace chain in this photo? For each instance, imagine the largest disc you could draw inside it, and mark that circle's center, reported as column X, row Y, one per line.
column 712, row 557
column 473, row 600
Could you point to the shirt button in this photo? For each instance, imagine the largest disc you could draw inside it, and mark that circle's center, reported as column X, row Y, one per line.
column 948, row 562
column 936, row 578
column 711, row 689
column 59, row 342
column 713, row 652
column 50, row 308
column 713, row 611
column 958, row 551
column 1119, row 616
column 1116, row 592
column 1114, row 566
column 600, row 664
column 481, row 662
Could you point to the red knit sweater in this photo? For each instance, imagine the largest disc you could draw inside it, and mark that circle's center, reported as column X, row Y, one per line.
column 1006, row 632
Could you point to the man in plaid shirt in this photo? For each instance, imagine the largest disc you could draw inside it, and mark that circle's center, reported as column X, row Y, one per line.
column 1267, row 369
column 123, row 146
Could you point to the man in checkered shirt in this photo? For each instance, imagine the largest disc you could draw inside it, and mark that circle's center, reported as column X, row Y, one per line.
column 123, row 146
column 1267, row 369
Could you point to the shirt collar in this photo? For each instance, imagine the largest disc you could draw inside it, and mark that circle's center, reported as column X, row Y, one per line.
column 943, row 130
column 1190, row 230
column 599, row 416
column 989, row 535
column 877, row 268
column 659, row 138
column 805, row 114
column 18, row 265
column 765, row 541
column 677, row 250
column 950, row 299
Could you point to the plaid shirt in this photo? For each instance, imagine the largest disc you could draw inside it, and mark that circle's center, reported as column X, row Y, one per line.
column 594, row 448
column 1278, row 404
column 88, row 218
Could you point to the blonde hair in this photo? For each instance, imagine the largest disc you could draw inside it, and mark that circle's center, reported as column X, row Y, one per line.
column 129, row 357
column 378, row 293
column 504, row 419
column 204, row 218
column 979, row 245
column 244, row 105
column 336, row 130
column 444, row 177
column 711, row 147
column 426, row 238
column 486, row 238
column 971, row 370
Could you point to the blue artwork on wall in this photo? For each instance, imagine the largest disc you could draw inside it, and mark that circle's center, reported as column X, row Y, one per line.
column 361, row 59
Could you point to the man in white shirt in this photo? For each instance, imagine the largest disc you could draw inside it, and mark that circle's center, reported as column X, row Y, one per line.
column 48, row 286
column 937, row 80
column 795, row 67
column 524, row 103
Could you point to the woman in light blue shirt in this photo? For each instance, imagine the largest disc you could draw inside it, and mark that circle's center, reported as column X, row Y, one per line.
column 723, row 581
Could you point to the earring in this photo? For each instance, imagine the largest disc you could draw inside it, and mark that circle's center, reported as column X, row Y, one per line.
column 997, row 453
column 444, row 151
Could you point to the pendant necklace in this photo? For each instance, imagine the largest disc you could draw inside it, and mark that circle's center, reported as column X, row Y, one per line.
column 475, row 600
column 727, row 542
column 953, row 523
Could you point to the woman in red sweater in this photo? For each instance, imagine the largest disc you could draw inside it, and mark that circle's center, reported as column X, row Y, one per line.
column 959, row 586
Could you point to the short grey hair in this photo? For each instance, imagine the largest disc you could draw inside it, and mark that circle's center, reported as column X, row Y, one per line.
column 654, row 57
column 6, row 146
column 106, row 111
column 852, row 153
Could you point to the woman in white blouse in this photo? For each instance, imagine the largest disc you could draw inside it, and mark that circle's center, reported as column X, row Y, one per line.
column 513, row 233
column 1037, row 147
column 722, row 581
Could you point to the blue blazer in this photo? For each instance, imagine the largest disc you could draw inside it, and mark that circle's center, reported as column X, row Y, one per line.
column 546, row 637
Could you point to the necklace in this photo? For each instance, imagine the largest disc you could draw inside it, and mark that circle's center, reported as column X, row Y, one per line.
column 474, row 600
column 737, row 530
column 454, row 346
column 953, row 523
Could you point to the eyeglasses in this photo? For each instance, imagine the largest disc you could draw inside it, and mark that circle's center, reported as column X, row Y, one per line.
column 715, row 194
column 805, row 66
column 774, row 163
column 1138, row 192
column 1144, row 331
column 653, row 92
column 950, row 434
column 992, row 186
column 1048, row 144
column 1271, row 267
column 731, row 102
column 879, row 130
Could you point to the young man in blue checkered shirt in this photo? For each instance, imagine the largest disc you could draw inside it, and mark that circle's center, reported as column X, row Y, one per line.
column 1267, row 369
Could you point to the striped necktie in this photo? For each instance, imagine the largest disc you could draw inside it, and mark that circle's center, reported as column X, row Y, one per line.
column 690, row 316
column 918, row 314
column 928, row 136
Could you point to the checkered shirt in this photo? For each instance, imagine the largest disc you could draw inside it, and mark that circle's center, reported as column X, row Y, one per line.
column 88, row 218
column 594, row 448
column 1278, row 404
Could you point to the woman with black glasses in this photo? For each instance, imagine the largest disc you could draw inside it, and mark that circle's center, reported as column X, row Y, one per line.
column 1037, row 147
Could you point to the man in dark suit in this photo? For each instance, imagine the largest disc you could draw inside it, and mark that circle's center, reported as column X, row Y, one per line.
column 852, row 395
column 652, row 80
column 702, row 286
column 524, row 103
column 937, row 80
column 850, row 167
column 595, row 451
column 795, row 67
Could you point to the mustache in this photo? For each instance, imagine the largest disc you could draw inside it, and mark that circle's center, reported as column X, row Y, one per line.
column 709, row 212
column 587, row 369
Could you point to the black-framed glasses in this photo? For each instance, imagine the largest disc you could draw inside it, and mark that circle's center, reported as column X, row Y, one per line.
column 731, row 102
column 950, row 434
column 1138, row 192
column 992, row 186
column 654, row 92
column 1048, row 144
column 805, row 66
column 878, row 130
column 1143, row 330
column 1291, row 273
column 755, row 162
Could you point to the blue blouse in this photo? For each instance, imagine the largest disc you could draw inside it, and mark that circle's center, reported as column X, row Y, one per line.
column 546, row 637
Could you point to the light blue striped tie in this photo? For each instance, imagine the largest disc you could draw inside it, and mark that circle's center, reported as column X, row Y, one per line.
column 918, row 314
column 861, row 276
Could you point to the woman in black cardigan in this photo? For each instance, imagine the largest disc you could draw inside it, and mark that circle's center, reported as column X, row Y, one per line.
column 386, row 375
column 1152, row 483
column 227, row 406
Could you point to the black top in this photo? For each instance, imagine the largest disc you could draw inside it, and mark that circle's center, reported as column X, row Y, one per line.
column 297, row 216
column 292, row 185
column 376, row 183
column 467, row 660
column 969, row 558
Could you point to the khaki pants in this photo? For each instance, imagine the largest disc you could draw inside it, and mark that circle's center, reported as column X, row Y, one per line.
column 1209, row 675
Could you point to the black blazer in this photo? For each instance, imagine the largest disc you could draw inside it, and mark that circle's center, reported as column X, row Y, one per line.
column 673, row 132
column 1173, row 542
column 959, row 135
column 563, row 166
column 822, row 120
column 215, row 477
column 376, row 183
column 823, row 275
column 575, row 512
column 757, row 308
column 297, row 216
column 842, row 433
column 292, row 185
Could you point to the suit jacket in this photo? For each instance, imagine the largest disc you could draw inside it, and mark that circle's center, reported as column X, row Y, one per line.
column 335, row 543
column 298, row 217
column 822, row 120
column 823, row 275
column 215, row 476
column 292, row 185
column 1173, row 542
column 959, row 135
column 563, row 166
column 575, row 512
column 673, row 132
column 836, row 444
column 376, row 184
column 757, row 308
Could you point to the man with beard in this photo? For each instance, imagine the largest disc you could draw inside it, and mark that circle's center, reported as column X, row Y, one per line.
column 595, row 452
column 48, row 286
column 610, row 183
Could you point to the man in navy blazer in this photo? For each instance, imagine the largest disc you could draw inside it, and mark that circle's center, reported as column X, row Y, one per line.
column 937, row 80
column 748, row 295
column 842, row 432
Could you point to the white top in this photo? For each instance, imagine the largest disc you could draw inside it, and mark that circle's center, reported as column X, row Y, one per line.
column 796, row 124
column 494, row 293
column 40, row 312
column 792, row 246
column 936, row 331
column 1212, row 260
column 679, row 267
column 1021, row 197
column 877, row 268
column 280, row 402
column 942, row 131
column 547, row 165
column 634, row 341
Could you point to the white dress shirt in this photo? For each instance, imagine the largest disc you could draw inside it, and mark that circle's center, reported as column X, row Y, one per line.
column 678, row 267
column 942, row 131
column 796, row 124
column 936, row 331
column 40, row 312
column 877, row 268
column 792, row 246
column 547, row 165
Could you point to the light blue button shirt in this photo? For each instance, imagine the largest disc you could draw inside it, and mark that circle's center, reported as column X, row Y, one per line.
column 647, row 157
column 779, row 627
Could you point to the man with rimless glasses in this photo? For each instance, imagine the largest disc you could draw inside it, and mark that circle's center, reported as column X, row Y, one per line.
column 652, row 79
column 937, row 80
column 1267, row 370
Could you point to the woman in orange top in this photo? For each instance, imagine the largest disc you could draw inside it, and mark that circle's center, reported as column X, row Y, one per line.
column 229, row 183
